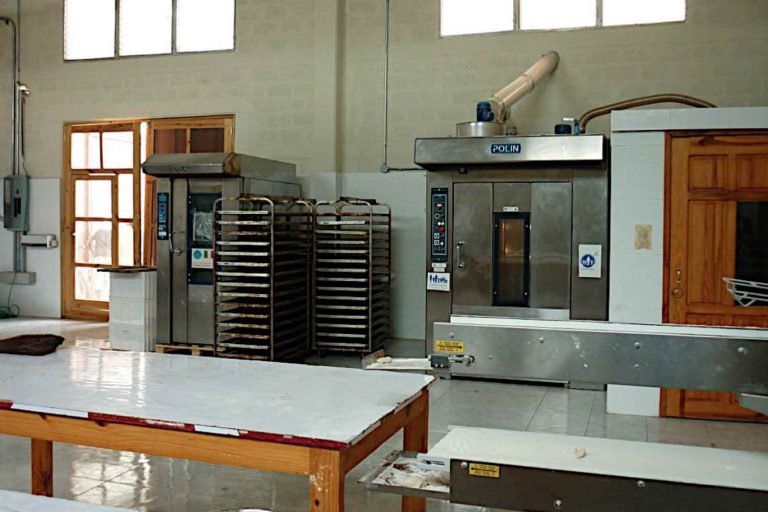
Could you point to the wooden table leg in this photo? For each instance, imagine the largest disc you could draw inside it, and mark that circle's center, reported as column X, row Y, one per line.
column 42, row 467
column 416, row 439
column 326, row 481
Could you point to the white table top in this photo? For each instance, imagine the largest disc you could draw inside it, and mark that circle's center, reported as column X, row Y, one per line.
column 629, row 459
column 288, row 403
column 20, row 502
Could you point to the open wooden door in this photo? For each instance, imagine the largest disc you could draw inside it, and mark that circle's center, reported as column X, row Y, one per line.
column 717, row 226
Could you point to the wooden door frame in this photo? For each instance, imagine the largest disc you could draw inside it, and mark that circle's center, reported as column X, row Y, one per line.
column 670, row 401
column 70, row 306
column 94, row 310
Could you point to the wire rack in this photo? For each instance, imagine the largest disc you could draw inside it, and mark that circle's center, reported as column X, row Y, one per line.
column 747, row 293
column 351, row 290
column 262, row 276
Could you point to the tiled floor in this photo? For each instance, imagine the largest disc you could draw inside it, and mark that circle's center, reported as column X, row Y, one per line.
column 160, row 484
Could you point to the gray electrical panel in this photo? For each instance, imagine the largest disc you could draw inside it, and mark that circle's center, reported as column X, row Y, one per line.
column 15, row 202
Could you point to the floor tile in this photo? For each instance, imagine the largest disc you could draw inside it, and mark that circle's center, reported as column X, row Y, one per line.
column 678, row 431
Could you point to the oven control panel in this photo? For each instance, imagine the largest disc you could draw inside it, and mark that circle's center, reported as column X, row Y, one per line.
column 439, row 216
column 162, row 216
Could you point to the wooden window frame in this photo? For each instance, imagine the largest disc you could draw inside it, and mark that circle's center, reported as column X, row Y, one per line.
column 225, row 121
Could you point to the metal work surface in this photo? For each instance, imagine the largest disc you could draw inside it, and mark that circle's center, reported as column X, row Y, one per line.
column 504, row 150
column 21, row 502
column 725, row 359
column 286, row 403
column 692, row 465
column 539, row 490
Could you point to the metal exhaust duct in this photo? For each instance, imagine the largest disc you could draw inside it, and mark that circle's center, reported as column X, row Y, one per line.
column 492, row 113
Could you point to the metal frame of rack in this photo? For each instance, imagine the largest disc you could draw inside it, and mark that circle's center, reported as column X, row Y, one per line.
column 747, row 293
column 351, row 268
column 263, row 248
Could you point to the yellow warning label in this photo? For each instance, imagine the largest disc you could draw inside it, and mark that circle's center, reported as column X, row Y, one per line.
column 484, row 470
column 449, row 346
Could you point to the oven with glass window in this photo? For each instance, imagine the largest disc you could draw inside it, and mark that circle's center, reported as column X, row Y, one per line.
column 188, row 185
column 517, row 227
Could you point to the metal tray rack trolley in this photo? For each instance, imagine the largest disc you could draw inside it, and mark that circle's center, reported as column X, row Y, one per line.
column 352, row 260
column 262, row 275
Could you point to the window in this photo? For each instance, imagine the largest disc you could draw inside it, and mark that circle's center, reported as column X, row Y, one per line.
column 552, row 14
column 200, row 28
column 476, row 16
column 621, row 12
column 458, row 17
column 146, row 27
column 89, row 29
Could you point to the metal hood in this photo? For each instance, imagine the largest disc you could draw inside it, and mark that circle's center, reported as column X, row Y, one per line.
column 198, row 164
column 169, row 165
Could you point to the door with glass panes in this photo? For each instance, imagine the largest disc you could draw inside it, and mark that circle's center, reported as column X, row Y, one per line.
column 101, row 212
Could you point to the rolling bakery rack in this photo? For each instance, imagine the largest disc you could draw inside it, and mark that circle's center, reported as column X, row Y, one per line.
column 262, row 264
column 351, row 269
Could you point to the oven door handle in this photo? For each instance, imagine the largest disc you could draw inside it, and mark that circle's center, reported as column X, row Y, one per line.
column 175, row 252
column 459, row 262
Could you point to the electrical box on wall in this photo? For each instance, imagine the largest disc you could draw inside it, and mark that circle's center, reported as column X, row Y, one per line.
column 15, row 202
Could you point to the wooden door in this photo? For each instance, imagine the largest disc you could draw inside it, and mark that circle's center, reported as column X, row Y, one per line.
column 100, row 212
column 210, row 134
column 717, row 207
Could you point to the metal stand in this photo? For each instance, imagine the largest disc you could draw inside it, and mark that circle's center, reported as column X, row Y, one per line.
column 261, row 270
column 747, row 293
column 352, row 260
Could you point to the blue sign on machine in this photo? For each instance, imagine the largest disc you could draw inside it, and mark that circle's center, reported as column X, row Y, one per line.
column 588, row 261
column 506, row 149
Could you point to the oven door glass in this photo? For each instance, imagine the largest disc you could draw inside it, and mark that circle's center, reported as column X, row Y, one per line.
column 511, row 259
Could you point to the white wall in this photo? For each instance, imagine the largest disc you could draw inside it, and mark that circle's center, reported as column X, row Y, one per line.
column 720, row 53
column 406, row 193
column 44, row 297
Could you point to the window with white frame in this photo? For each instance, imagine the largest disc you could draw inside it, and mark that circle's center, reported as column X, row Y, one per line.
column 106, row 29
column 460, row 17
